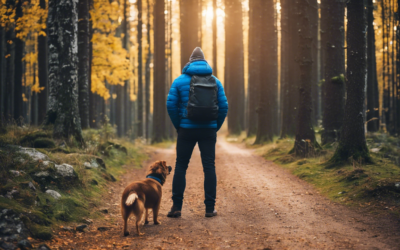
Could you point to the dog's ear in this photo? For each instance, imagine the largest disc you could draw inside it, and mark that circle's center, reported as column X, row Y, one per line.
column 164, row 163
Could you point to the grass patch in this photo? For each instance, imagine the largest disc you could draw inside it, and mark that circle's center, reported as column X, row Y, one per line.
column 80, row 195
column 375, row 186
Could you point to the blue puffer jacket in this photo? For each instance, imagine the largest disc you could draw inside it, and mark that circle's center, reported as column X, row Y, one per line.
column 178, row 98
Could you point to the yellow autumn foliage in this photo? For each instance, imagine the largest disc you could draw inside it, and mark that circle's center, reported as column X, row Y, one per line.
column 110, row 62
column 7, row 14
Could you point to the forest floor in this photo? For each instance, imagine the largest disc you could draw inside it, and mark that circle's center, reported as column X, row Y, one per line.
column 260, row 206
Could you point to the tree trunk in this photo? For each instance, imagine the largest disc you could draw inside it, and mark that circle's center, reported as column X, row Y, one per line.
column 10, row 68
column 2, row 74
column 234, row 65
column 372, row 80
column 18, row 71
column 140, row 72
column 214, row 24
column 267, row 60
column 305, row 142
column 127, row 104
column 159, row 120
column 42, row 72
column 189, row 28
column 83, row 57
column 63, row 110
column 314, row 16
column 352, row 140
column 254, row 64
column 95, row 117
column 291, row 75
column 332, row 42
column 147, row 74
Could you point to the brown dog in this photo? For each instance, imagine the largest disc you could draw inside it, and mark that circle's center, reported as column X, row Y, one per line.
column 140, row 196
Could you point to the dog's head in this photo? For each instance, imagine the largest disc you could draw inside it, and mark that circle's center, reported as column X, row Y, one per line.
column 160, row 168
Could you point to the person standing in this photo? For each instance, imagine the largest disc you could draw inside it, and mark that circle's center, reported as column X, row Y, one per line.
column 197, row 106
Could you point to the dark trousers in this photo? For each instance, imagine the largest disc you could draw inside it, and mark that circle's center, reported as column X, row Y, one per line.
column 187, row 139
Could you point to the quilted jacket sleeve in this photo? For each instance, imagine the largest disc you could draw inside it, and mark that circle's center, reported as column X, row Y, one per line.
column 222, row 104
column 173, row 104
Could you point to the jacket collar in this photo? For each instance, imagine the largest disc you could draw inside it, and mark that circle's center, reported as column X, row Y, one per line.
column 199, row 67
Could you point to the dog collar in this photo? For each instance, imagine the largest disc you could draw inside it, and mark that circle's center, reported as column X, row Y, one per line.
column 155, row 178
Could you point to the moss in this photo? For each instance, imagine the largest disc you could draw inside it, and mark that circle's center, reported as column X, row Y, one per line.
column 44, row 143
column 338, row 79
column 40, row 232
column 29, row 139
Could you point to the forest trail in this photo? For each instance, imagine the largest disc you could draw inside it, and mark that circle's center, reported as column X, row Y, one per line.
column 260, row 206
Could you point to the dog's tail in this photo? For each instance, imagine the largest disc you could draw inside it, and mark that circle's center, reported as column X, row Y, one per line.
column 132, row 197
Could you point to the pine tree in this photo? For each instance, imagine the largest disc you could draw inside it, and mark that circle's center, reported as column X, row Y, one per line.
column 42, row 71
column 189, row 28
column 290, row 71
column 254, row 64
column 159, row 115
column 305, row 142
column 83, row 66
column 352, row 139
column 140, row 72
column 268, row 58
column 214, row 25
column 63, row 109
column 147, row 74
column 372, row 80
column 332, row 43
column 18, row 73
column 234, row 65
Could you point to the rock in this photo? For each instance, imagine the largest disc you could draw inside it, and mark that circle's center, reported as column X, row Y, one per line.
column 94, row 182
column 88, row 221
column 65, row 170
column 104, row 210
column 54, row 194
column 43, row 247
column 31, row 186
column 11, row 193
column 102, row 229
column 44, row 143
column 397, row 184
column 68, row 229
column 87, row 165
column 24, row 244
column 81, row 228
column 7, row 246
column 375, row 150
column 15, row 173
column 100, row 162
column 42, row 174
column 34, row 154
column 94, row 163
column 46, row 163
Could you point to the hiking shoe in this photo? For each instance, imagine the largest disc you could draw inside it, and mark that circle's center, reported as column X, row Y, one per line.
column 211, row 214
column 174, row 212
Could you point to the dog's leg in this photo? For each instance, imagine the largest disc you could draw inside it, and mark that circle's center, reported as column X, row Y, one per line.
column 146, row 220
column 155, row 213
column 125, row 218
column 139, row 209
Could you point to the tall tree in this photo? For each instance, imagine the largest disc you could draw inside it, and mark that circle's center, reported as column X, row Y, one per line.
column 352, row 139
column 159, row 114
column 314, row 16
column 42, row 71
column 266, row 91
column 18, row 73
column 254, row 64
column 214, row 25
column 332, row 42
column 140, row 72
column 9, row 66
column 95, row 117
column 147, row 73
column 127, row 105
column 372, row 79
column 290, row 69
column 63, row 109
column 234, row 65
column 189, row 28
column 305, row 142
column 2, row 73
column 83, row 57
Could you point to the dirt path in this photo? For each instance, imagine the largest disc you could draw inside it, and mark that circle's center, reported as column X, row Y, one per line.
column 260, row 206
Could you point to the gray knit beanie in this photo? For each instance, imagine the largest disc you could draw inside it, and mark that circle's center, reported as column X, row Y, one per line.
column 197, row 55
